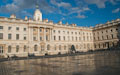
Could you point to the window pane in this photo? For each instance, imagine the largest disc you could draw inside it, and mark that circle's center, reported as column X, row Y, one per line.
column 1, row 35
column 1, row 27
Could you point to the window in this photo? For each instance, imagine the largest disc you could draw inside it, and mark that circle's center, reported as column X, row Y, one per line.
column 1, row 35
column 25, row 29
column 17, row 36
column 54, row 31
column 17, row 48
column 83, row 33
column 65, row 47
column 55, row 47
column 106, row 31
column 68, row 32
column 48, row 47
column 54, row 37
column 47, row 37
column 59, row 38
column 64, row 32
column 79, row 38
column 58, row 31
column 17, row 28
column 107, row 36
column 98, row 38
column 64, row 38
column 1, row 49
column 72, row 38
column 34, row 38
column 40, row 38
column 46, row 30
column 9, row 28
column 102, row 32
column 9, row 36
column 25, row 47
column 112, row 36
column 25, row 38
column 75, row 32
column 68, row 38
column 9, row 49
column 34, row 29
column 111, row 30
column 116, row 29
column 59, row 47
column 76, row 38
column 42, row 47
column 71, row 32
column 1, row 27
column 102, row 38
column 35, row 48
column 40, row 30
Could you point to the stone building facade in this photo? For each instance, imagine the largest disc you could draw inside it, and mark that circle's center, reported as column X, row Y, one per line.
column 38, row 37
column 107, row 36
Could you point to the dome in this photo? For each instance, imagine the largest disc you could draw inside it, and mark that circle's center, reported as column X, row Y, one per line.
column 37, row 15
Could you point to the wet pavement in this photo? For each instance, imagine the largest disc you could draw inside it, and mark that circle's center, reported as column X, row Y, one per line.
column 101, row 63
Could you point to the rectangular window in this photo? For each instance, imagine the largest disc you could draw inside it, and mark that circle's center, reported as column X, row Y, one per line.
column 1, row 35
column 54, row 31
column 34, row 38
column 1, row 49
column 59, row 38
column 9, row 28
column 25, row 29
column 9, row 36
column 17, row 48
column 17, row 36
column 17, row 28
column 64, row 38
column 47, row 37
column 40, row 30
column 25, row 38
column 40, row 38
column 1, row 27
column 54, row 37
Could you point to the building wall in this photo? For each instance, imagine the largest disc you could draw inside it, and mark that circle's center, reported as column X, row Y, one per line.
column 106, row 36
column 43, row 37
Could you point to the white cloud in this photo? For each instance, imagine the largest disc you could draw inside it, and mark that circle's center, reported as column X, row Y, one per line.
column 80, row 16
column 99, row 3
column 116, row 10
column 60, row 4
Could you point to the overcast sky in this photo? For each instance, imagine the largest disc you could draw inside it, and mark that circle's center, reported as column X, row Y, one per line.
column 80, row 12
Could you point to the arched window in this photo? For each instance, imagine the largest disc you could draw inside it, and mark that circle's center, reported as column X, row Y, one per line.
column 25, row 47
column 17, row 48
column 59, row 47
column 9, row 49
column 48, row 47
column 35, row 48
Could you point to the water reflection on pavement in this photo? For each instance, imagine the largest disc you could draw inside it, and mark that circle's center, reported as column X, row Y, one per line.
column 90, row 64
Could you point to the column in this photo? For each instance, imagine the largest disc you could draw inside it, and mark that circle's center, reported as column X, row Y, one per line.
column 38, row 34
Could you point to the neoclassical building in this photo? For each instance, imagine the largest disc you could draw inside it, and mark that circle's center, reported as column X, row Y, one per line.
column 36, row 36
